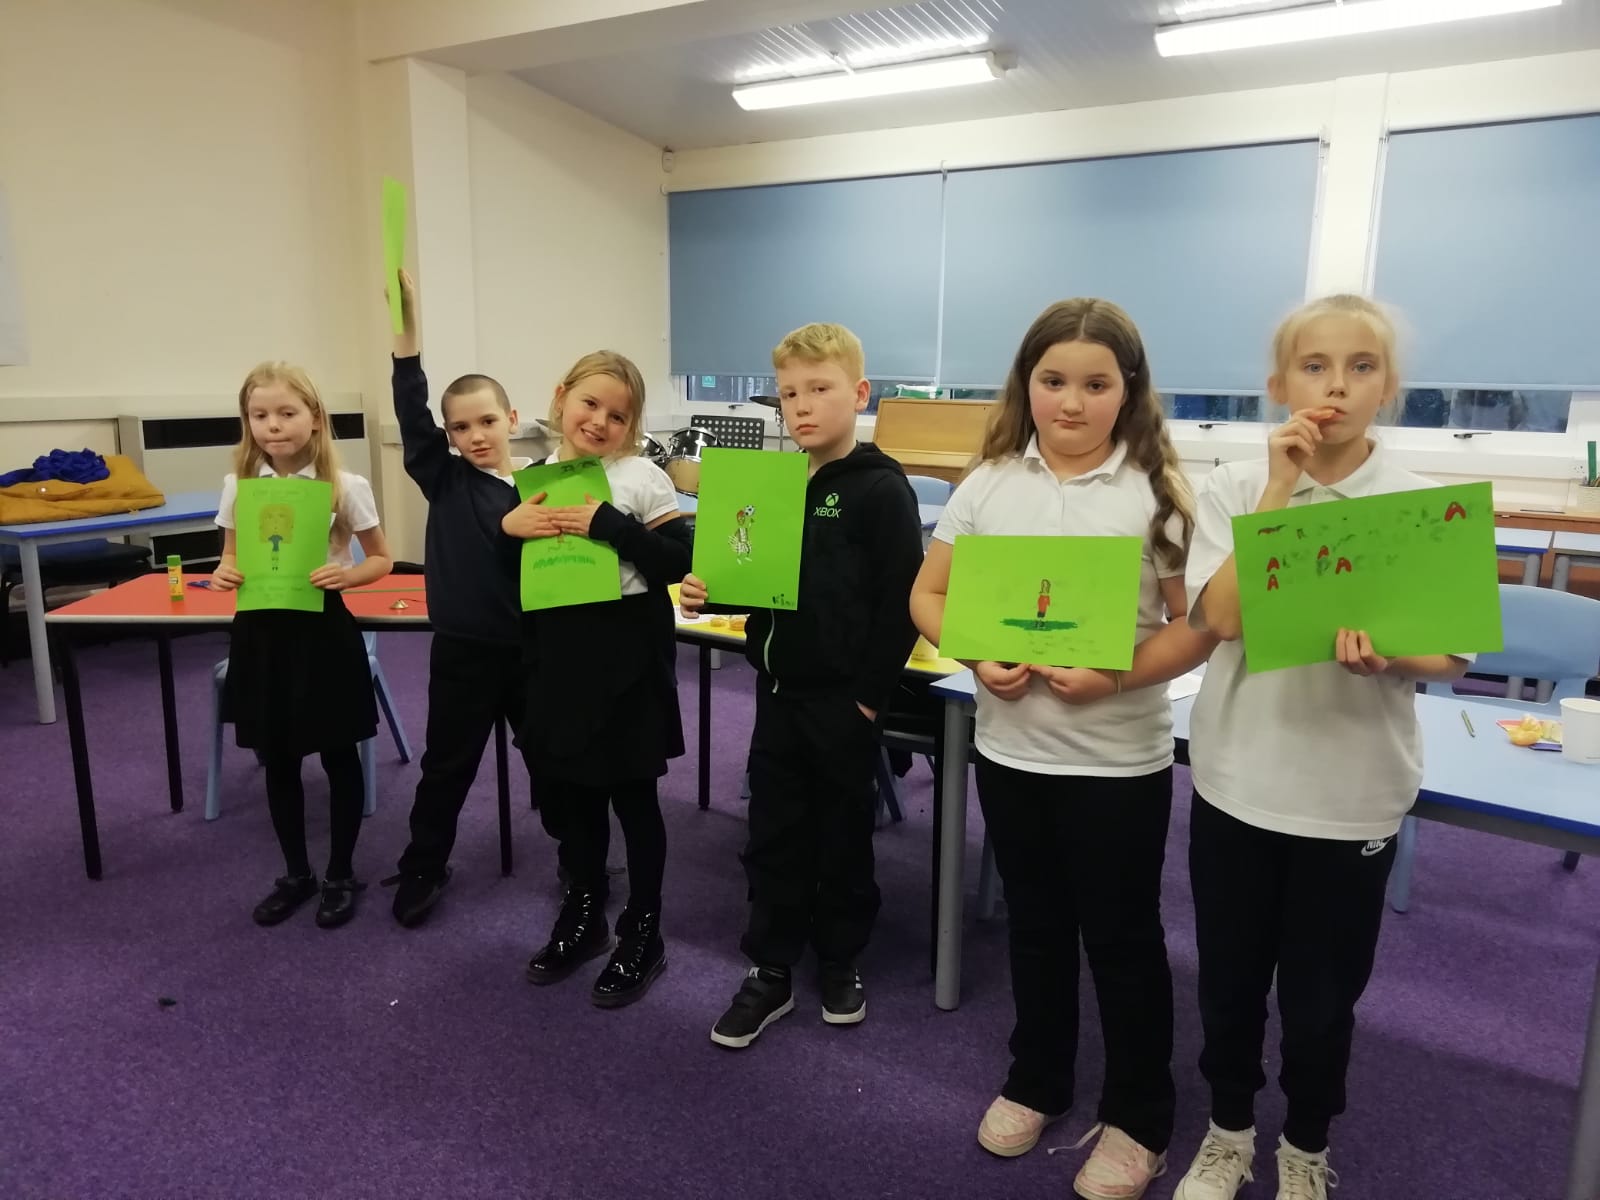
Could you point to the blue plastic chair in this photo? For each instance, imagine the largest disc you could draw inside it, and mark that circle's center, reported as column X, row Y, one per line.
column 930, row 490
column 1550, row 636
column 369, row 766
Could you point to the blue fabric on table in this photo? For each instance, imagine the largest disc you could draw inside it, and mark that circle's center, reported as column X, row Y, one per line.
column 70, row 466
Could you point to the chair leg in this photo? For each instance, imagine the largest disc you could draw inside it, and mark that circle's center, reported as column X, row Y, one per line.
column 369, row 778
column 1569, row 860
column 214, row 766
column 6, row 586
column 988, row 882
column 386, row 703
column 1400, row 879
column 888, row 800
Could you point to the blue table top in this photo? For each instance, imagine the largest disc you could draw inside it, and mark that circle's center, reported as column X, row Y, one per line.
column 1576, row 543
column 1521, row 541
column 180, row 506
column 1484, row 773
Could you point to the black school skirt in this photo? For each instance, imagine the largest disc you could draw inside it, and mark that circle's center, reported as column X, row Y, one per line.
column 299, row 682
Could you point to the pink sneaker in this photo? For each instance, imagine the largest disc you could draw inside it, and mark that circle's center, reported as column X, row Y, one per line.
column 1119, row 1168
column 1010, row 1129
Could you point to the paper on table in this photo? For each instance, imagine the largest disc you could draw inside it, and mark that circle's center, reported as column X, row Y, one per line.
column 558, row 571
column 1053, row 601
column 749, row 519
column 1416, row 570
column 1184, row 686
column 280, row 537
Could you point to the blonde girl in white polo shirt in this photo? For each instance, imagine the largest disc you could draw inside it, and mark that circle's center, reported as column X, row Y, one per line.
column 1075, row 765
column 1301, row 776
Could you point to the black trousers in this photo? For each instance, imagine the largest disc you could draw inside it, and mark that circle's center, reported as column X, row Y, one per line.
column 1080, row 858
column 808, row 860
column 583, row 813
column 470, row 684
column 1309, row 908
column 286, row 802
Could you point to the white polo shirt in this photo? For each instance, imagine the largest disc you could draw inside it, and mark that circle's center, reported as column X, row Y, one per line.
column 641, row 490
column 1312, row 751
column 1129, row 734
column 355, row 503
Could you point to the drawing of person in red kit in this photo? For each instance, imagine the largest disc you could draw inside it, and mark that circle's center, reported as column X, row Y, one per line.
column 1044, row 602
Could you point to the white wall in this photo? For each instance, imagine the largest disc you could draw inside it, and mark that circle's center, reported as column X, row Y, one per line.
column 181, row 177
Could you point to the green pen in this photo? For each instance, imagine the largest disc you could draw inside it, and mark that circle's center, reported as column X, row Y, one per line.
column 1592, row 478
column 1467, row 721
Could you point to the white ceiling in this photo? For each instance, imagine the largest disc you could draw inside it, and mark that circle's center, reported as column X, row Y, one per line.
column 1067, row 54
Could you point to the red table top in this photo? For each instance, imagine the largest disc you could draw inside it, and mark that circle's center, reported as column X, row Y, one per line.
column 145, row 600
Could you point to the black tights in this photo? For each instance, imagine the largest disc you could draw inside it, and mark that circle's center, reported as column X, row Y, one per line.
column 584, row 827
column 286, row 801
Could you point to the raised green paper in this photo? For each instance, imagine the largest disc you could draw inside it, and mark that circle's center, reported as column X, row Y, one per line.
column 394, row 246
column 280, row 536
column 749, row 519
column 1050, row 601
column 1416, row 570
column 558, row 571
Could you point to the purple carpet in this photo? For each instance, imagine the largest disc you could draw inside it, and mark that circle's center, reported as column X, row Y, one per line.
column 373, row 1061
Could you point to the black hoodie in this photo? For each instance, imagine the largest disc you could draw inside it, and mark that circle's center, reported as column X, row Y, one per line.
column 862, row 549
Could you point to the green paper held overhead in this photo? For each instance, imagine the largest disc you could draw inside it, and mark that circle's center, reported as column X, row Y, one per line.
column 1050, row 601
column 558, row 571
column 394, row 246
column 749, row 521
column 280, row 529
column 1416, row 570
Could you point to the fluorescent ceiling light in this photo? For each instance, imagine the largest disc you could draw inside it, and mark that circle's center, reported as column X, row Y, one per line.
column 881, row 81
column 1327, row 20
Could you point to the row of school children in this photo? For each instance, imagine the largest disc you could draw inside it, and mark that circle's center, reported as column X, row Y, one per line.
column 1301, row 777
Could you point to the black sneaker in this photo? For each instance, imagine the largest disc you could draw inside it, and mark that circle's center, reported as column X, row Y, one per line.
column 844, row 1000
column 764, row 996
column 289, row 892
column 418, row 892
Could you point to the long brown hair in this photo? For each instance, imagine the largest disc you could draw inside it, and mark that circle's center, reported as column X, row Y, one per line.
column 620, row 368
column 1140, row 425
column 248, row 456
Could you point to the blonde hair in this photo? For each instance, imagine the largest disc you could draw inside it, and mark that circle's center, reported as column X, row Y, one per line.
column 620, row 368
column 1140, row 425
column 823, row 342
column 1344, row 304
column 248, row 456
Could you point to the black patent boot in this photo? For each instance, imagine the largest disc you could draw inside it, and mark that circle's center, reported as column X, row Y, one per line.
column 580, row 933
column 639, row 957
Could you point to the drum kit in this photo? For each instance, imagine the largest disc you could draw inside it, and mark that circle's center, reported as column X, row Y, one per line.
column 679, row 456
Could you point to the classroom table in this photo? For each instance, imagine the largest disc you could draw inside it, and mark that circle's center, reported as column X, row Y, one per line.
column 395, row 602
column 1479, row 782
column 1526, row 546
column 1569, row 548
column 184, row 512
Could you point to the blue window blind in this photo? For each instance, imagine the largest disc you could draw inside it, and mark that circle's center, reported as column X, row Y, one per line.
column 1206, row 250
column 1488, row 245
column 750, row 264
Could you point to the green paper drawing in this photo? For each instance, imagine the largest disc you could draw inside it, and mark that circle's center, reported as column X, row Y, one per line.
column 280, row 537
column 1417, row 570
column 749, row 524
column 558, row 571
column 394, row 246
column 1051, row 601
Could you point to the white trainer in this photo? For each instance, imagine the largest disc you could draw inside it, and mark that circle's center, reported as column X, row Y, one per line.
column 1303, row 1176
column 1221, row 1167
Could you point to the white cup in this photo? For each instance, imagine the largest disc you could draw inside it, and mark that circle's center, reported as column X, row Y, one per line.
column 1580, row 729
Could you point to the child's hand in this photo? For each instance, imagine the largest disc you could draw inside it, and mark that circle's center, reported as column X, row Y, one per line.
column 1356, row 655
column 691, row 595
column 330, row 577
column 1292, row 444
column 530, row 520
column 1005, row 682
column 576, row 518
column 226, row 577
column 1078, row 685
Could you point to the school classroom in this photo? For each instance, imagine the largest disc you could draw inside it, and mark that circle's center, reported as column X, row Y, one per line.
column 190, row 187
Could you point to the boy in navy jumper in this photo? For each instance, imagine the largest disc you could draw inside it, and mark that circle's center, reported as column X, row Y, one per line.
column 475, row 668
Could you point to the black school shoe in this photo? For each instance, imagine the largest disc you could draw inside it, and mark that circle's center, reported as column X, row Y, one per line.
column 765, row 995
column 639, row 957
column 288, row 893
column 338, row 902
column 418, row 892
column 579, row 934
column 844, row 999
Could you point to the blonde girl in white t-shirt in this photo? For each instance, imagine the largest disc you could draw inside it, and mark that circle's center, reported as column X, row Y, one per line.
column 1301, row 776
column 1075, row 765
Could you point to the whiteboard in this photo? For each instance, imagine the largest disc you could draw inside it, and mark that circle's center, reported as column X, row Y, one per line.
column 13, row 337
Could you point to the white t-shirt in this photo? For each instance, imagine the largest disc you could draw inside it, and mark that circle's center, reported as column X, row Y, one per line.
column 1129, row 734
column 1311, row 751
column 355, row 502
column 641, row 490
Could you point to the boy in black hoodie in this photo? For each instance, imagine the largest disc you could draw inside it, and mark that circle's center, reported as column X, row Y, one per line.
column 825, row 672
column 475, row 668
